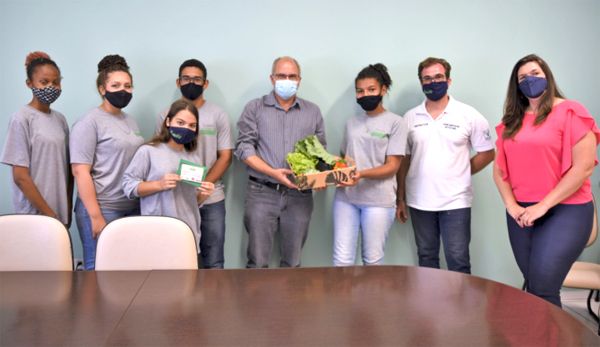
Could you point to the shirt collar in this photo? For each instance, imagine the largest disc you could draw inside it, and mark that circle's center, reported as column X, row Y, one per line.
column 422, row 110
column 270, row 100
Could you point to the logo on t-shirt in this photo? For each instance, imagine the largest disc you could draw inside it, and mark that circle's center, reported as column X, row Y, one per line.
column 486, row 134
column 379, row 134
column 451, row 126
column 208, row 132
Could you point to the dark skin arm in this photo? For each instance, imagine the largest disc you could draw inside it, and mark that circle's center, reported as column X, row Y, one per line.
column 401, row 210
column 481, row 160
column 218, row 169
column 23, row 180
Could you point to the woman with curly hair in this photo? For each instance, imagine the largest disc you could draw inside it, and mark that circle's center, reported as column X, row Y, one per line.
column 102, row 144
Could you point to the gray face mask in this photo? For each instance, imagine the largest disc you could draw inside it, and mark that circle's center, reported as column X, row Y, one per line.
column 46, row 95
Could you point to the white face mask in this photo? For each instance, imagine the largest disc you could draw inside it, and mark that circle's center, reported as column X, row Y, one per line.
column 286, row 88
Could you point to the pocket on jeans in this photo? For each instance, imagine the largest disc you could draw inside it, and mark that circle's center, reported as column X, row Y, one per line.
column 255, row 187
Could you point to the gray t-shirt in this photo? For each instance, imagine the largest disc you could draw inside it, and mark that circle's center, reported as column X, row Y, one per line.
column 368, row 140
column 106, row 142
column 40, row 142
column 151, row 163
column 215, row 135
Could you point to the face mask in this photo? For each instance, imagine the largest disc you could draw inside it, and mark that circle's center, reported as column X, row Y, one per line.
column 286, row 88
column 118, row 99
column 46, row 95
column 435, row 90
column 191, row 91
column 182, row 136
column 533, row 86
column 369, row 103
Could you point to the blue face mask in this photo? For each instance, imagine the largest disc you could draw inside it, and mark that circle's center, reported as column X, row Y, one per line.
column 435, row 90
column 532, row 86
column 286, row 88
column 182, row 136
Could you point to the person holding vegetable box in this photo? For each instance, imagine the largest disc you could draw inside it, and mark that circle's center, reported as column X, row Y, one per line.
column 269, row 127
column 376, row 140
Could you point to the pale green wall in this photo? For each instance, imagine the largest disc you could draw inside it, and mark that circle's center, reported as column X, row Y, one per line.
column 332, row 40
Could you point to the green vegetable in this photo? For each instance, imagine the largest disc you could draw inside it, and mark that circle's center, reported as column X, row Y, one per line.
column 312, row 148
column 301, row 164
column 306, row 155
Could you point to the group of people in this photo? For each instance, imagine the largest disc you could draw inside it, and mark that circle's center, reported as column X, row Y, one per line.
column 419, row 165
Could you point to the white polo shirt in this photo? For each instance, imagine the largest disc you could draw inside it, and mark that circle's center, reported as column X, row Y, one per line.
column 439, row 177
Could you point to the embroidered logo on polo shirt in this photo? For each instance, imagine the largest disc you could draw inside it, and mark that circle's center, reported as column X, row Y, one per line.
column 451, row 126
column 379, row 134
column 486, row 134
column 420, row 125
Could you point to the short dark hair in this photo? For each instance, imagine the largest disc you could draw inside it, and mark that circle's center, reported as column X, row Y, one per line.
column 377, row 71
column 432, row 61
column 193, row 63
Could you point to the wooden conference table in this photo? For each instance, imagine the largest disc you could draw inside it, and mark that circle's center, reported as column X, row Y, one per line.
column 361, row 306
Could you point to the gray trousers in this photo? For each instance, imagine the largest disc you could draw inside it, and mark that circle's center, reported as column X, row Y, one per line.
column 268, row 211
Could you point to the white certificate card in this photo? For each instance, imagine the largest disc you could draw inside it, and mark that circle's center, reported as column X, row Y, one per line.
column 191, row 173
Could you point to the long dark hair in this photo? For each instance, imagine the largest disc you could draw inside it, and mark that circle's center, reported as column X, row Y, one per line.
column 516, row 102
column 164, row 135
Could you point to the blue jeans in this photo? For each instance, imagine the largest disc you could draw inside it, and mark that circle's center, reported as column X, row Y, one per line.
column 212, row 235
column 372, row 222
column 84, row 224
column 268, row 211
column 546, row 251
column 454, row 227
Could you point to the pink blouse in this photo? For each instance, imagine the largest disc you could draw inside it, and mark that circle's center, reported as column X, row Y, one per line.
column 537, row 157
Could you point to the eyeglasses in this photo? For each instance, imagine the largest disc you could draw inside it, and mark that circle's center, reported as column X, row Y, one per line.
column 437, row 78
column 282, row 76
column 187, row 79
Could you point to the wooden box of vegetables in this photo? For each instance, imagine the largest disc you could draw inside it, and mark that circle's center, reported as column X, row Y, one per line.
column 314, row 167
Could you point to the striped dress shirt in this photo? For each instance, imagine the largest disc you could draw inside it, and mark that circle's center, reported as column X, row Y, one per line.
column 269, row 132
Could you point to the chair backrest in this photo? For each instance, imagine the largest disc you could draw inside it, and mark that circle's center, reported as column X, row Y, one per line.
column 146, row 243
column 34, row 243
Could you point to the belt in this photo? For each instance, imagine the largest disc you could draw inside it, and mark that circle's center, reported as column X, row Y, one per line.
column 276, row 186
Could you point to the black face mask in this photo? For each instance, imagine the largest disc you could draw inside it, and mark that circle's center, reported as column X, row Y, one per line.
column 191, row 91
column 369, row 103
column 118, row 99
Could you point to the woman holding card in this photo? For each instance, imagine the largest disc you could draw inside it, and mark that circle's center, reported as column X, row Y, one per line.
column 152, row 174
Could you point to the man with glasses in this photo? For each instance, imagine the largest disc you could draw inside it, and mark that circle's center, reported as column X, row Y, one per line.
column 434, row 179
column 269, row 127
column 215, row 147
